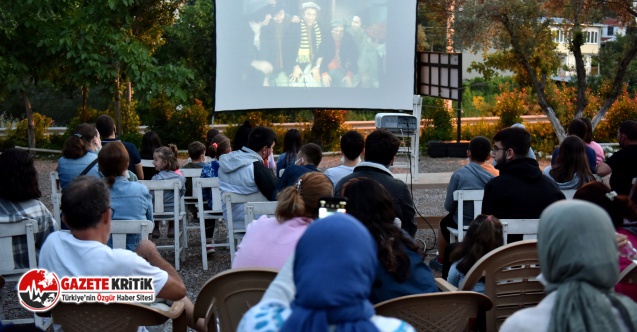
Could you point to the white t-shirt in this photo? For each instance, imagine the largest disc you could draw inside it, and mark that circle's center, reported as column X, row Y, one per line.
column 65, row 255
column 337, row 173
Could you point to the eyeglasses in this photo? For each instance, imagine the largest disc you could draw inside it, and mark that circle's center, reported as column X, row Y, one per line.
column 495, row 149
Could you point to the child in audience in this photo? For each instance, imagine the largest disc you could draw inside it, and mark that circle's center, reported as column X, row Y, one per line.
column 220, row 145
column 484, row 235
column 166, row 163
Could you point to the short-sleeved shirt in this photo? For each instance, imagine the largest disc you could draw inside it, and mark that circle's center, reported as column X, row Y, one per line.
column 65, row 255
column 624, row 166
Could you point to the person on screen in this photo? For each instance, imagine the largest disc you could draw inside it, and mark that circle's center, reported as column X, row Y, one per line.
column 338, row 58
column 371, row 62
column 272, row 41
column 357, row 31
column 303, row 40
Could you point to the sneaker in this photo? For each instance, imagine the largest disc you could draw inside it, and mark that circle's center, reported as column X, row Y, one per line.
column 210, row 249
column 434, row 264
column 171, row 232
column 156, row 233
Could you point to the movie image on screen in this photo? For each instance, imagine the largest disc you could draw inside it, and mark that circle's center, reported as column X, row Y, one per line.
column 315, row 54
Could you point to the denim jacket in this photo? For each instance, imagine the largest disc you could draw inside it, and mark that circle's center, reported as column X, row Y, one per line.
column 69, row 169
column 131, row 201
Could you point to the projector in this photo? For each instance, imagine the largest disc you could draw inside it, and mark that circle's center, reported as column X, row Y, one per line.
column 397, row 123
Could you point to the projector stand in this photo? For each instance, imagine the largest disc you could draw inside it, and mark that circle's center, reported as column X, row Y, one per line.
column 413, row 151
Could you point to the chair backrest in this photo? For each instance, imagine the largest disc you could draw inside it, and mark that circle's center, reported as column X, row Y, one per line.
column 116, row 317
column 231, row 199
column 448, row 311
column 121, row 228
column 254, row 210
column 510, row 281
column 629, row 274
column 147, row 163
column 28, row 228
column 526, row 227
column 467, row 195
column 157, row 188
column 190, row 174
column 227, row 296
column 211, row 183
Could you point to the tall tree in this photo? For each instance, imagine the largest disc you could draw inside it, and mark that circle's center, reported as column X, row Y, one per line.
column 521, row 32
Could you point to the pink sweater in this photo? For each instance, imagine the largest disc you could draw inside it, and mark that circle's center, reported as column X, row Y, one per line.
column 268, row 243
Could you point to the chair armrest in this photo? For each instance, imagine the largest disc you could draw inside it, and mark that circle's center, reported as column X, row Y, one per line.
column 445, row 286
column 175, row 310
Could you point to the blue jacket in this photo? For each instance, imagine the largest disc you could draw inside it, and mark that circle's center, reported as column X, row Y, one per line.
column 291, row 176
column 130, row 201
column 69, row 169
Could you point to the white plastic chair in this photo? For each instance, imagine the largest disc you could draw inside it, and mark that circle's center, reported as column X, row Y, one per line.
column 461, row 196
column 215, row 214
column 254, row 210
column 121, row 228
column 232, row 199
column 569, row 193
column 526, row 227
column 8, row 269
column 191, row 173
column 157, row 188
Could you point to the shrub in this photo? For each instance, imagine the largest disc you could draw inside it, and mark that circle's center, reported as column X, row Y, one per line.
column 327, row 129
column 624, row 108
column 19, row 135
column 438, row 125
column 130, row 119
column 178, row 125
column 510, row 105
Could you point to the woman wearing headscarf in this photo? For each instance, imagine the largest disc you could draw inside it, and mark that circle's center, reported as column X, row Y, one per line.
column 334, row 267
column 578, row 259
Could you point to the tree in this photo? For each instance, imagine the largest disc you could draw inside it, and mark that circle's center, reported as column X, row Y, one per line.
column 520, row 31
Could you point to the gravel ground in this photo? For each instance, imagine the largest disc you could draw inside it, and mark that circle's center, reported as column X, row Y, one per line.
column 428, row 203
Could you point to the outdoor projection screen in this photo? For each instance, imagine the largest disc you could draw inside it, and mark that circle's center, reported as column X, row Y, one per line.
column 371, row 67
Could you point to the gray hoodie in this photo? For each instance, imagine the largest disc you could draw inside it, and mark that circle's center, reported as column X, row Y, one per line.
column 470, row 177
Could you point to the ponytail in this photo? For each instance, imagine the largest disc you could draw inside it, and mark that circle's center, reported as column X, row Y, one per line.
column 290, row 205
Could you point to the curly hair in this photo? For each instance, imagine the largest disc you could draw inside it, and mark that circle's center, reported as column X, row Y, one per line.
column 19, row 180
column 370, row 203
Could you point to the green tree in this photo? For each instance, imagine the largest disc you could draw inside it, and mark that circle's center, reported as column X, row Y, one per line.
column 521, row 32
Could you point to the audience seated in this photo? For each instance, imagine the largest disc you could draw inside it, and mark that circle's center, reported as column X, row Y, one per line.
column 219, row 145
column 520, row 191
column 79, row 154
column 470, row 177
column 620, row 209
column 150, row 143
column 20, row 200
column 269, row 242
column 309, row 157
column 578, row 260
column 381, row 147
column 352, row 146
column 166, row 163
column 401, row 270
column 579, row 128
column 484, row 234
column 588, row 139
column 106, row 126
column 623, row 163
column 209, row 136
column 129, row 200
column 292, row 142
column 244, row 171
column 570, row 170
column 197, row 155
column 334, row 269
column 83, row 252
